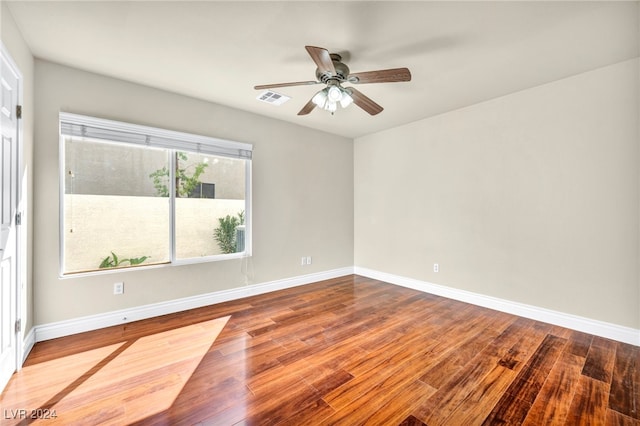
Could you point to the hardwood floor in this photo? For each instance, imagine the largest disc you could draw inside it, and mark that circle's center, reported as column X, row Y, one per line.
column 346, row 351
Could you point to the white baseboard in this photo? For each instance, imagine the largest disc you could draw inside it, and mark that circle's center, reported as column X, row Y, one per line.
column 574, row 322
column 27, row 344
column 94, row 322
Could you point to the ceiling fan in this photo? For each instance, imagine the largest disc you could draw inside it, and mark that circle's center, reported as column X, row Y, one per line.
column 333, row 72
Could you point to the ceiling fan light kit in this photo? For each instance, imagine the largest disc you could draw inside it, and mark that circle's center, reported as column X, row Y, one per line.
column 329, row 98
column 333, row 72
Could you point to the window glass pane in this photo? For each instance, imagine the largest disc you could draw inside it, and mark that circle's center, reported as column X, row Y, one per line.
column 210, row 205
column 114, row 212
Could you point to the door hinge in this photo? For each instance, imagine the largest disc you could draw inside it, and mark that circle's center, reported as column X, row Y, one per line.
column 18, row 326
column 18, row 218
column 19, row 111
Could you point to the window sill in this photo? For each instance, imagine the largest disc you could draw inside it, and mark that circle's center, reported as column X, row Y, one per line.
column 181, row 262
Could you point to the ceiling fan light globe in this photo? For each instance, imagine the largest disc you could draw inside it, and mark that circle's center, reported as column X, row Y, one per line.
column 346, row 99
column 334, row 94
column 320, row 99
column 331, row 106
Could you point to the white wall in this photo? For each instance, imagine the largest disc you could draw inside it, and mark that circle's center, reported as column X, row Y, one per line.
column 532, row 197
column 302, row 195
column 20, row 53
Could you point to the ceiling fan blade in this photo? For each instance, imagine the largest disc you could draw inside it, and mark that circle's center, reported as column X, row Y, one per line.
column 381, row 76
column 296, row 83
column 322, row 59
column 307, row 108
column 364, row 102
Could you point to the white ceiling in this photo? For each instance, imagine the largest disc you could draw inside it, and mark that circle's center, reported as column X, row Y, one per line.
column 459, row 53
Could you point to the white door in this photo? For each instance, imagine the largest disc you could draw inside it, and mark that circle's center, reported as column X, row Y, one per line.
column 9, row 85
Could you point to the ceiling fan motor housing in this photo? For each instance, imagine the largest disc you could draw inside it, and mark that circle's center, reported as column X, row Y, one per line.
column 342, row 71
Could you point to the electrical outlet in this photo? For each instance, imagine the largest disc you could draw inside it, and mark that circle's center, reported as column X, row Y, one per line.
column 436, row 268
column 118, row 288
column 308, row 260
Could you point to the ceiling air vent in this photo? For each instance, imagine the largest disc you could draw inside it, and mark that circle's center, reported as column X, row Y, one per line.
column 272, row 98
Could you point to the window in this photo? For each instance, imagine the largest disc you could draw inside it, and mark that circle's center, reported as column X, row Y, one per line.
column 135, row 196
column 204, row 190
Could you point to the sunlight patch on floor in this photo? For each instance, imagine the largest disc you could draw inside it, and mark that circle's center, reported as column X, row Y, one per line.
column 128, row 381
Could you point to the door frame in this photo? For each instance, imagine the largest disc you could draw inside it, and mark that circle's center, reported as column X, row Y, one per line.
column 19, row 334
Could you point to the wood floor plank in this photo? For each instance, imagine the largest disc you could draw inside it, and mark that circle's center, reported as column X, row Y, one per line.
column 578, row 343
column 412, row 421
column 336, row 357
column 280, row 405
column 516, row 402
column 394, row 353
column 393, row 400
column 509, row 350
column 312, row 414
column 615, row 418
column 462, row 350
column 553, row 402
column 600, row 360
column 438, row 407
column 387, row 378
column 589, row 404
column 517, row 345
column 330, row 381
column 392, row 406
column 479, row 402
column 509, row 411
column 625, row 381
column 396, row 408
column 531, row 378
column 346, row 351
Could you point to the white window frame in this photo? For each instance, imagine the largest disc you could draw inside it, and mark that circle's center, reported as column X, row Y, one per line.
column 80, row 126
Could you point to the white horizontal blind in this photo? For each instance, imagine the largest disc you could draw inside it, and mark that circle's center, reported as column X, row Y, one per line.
column 115, row 131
